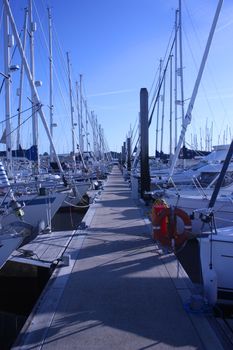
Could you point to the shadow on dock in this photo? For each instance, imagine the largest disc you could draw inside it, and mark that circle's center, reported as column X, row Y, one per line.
column 100, row 294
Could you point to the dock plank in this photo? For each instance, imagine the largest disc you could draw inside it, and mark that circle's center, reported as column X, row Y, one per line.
column 45, row 249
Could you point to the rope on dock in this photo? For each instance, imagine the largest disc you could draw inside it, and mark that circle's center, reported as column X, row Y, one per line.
column 77, row 206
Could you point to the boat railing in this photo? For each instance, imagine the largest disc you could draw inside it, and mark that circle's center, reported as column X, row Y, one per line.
column 199, row 187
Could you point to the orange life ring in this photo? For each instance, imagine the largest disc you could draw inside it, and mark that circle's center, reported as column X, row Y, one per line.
column 169, row 236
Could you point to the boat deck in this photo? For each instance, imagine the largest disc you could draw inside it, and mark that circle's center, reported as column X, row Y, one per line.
column 118, row 292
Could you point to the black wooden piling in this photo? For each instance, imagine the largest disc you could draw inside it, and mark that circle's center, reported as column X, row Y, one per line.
column 145, row 173
column 129, row 154
column 123, row 153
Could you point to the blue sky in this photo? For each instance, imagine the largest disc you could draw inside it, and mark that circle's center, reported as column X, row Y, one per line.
column 116, row 45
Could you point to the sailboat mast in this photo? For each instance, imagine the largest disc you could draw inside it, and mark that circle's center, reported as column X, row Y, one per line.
column 163, row 114
column 81, row 114
column 100, row 142
column 8, row 43
column 158, row 105
column 86, row 131
column 50, row 80
column 18, row 142
column 188, row 116
column 93, row 124
column 71, row 107
column 171, row 103
column 175, row 82
column 181, row 65
column 211, row 139
column 78, row 110
column 32, row 29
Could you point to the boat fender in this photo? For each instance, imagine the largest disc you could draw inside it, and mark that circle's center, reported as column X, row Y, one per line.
column 210, row 286
column 41, row 226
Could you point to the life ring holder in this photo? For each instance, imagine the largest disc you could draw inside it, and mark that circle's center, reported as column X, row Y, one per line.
column 170, row 237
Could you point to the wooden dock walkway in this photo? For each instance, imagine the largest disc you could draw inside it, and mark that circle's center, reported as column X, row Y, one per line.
column 118, row 293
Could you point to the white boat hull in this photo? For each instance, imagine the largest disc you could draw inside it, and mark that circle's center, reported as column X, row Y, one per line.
column 7, row 246
column 38, row 210
column 218, row 250
column 12, row 237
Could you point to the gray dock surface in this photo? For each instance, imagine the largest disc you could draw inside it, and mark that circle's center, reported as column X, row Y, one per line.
column 119, row 292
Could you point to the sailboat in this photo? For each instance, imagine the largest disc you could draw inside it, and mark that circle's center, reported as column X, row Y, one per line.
column 40, row 203
column 216, row 255
column 79, row 183
column 14, row 231
column 176, row 197
column 216, row 243
column 216, row 250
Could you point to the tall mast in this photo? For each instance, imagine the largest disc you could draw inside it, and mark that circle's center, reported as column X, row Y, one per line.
column 188, row 116
column 78, row 109
column 81, row 114
column 175, row 82
column 32, row 29
column 86, row 131
column 8, row 39
column 181, row 65
column 51, row 107
column 101, row 143
column 163, row 115
column 97, row 139
column 206, row 136
column 201, row 140
column 171, row 104
column 211, row 139
column 94, row 133
column 18, row 142
column 158, row 105
column 71, row 108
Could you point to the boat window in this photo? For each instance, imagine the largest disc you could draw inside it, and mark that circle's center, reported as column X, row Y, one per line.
column 206, row 178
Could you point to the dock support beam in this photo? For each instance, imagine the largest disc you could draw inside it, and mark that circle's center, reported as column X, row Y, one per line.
column 144, row 131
